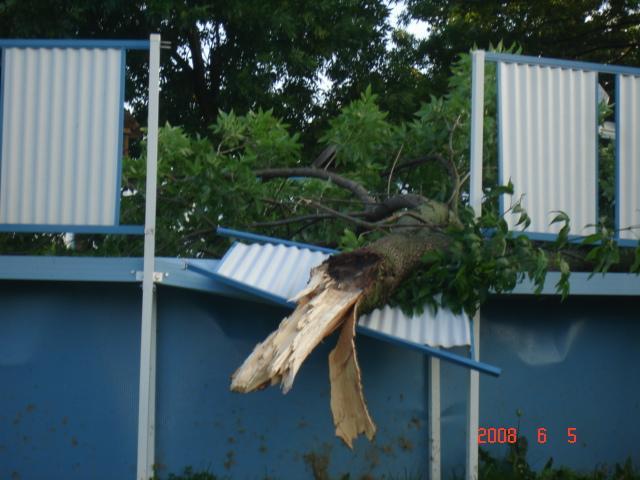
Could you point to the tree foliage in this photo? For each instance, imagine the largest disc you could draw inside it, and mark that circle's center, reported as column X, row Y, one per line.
column 594, row 30
column 239, row 54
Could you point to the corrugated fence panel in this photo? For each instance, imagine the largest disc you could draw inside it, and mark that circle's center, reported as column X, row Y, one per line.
column 436, row 329
column 60, row 136
column 548, row 143
column 284, row 271
column 277, row 269
column 628, row 194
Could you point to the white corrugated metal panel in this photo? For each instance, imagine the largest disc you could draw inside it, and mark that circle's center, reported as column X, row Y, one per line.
column 277, row 269
column 436, row 329
column 548, row 143
column 60, row 136
column 628, row 195
column 284, row 271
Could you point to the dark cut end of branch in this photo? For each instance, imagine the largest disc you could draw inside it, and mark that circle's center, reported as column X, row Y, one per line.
column 358, row 268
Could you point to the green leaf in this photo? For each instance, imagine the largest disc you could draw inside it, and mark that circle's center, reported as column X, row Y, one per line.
column 561, row 217
column 635, row 268
column 591, row 239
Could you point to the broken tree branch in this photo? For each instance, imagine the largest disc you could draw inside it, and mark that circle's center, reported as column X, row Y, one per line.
column 362, row 278
column 354, row 187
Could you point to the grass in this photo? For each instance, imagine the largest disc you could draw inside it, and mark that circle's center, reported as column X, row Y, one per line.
column 513, row 466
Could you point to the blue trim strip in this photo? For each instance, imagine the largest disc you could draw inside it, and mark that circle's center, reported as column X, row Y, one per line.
column 584, row 284
column 434, row 352
column 554, row 62
column 546, row 237
column 228, row 232
column 107, row 269
column 123, row 66
column 98, row 229
column 69, row 269
column 256, row 292
column 73, row 43
column 627, row 242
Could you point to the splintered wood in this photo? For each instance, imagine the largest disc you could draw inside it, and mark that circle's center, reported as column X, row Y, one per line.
column 350, row 414
column 321, row 308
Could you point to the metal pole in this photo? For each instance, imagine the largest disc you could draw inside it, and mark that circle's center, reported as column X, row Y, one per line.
column 434, row 419
column 147, row 398
column 477, row 124
column 473, row 411
column 475, row 194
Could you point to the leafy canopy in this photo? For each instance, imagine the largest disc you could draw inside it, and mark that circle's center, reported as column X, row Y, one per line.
column 594, row 30
column 239, row 54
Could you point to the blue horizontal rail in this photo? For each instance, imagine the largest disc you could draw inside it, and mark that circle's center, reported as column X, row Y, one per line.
column 97, row 229
column 73, row 43
column 425, row 349
column 434, row 352
column 254, row 237
column 554, row 62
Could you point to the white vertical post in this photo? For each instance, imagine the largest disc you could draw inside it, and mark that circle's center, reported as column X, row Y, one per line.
column 475, row 200
column 434, row 419
column 147, row 397
column 473, row 408
column 477, row 124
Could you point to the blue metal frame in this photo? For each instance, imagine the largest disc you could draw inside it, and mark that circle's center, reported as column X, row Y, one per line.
column 97, row 229
column 554, row 62
column 123, row 45
column 228, row 232
column 73, row 43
